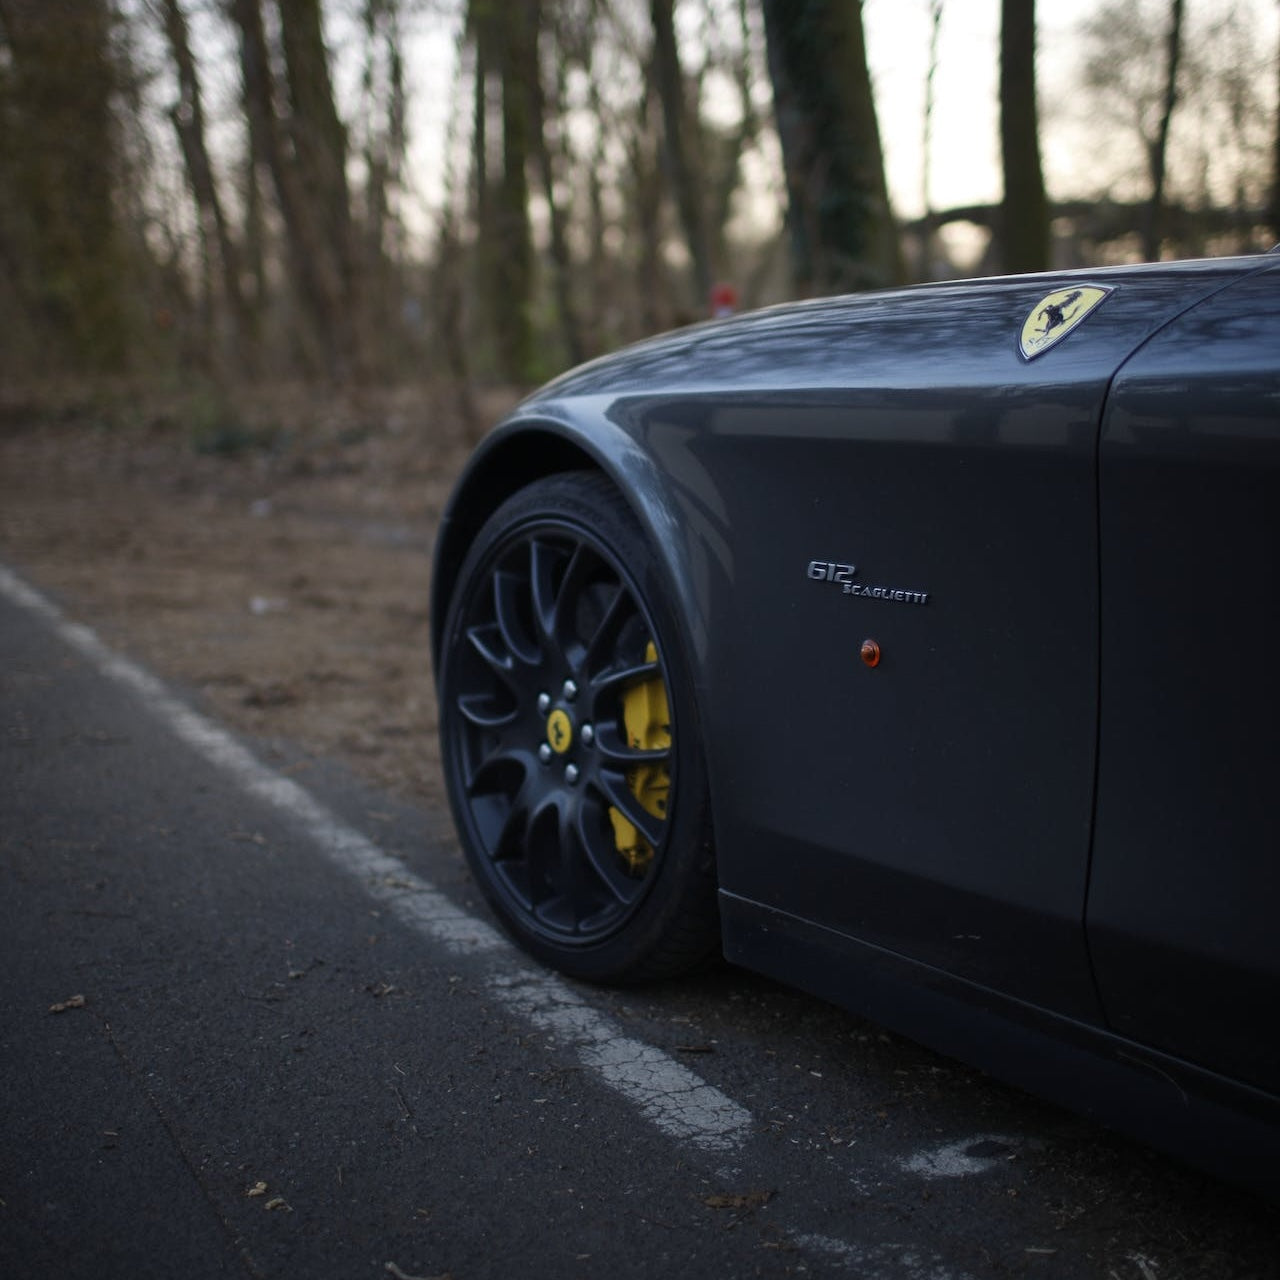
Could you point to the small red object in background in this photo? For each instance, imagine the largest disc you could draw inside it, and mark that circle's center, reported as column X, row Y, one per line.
column 724, row 300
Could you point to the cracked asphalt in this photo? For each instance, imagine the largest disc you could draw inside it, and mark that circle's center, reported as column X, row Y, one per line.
column 227, row 1051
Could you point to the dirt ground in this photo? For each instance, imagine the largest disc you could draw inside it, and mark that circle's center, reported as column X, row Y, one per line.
column 276, row 574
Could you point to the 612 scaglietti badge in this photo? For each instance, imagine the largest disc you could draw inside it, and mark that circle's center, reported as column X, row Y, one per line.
column 844, row 576
column 1064, row 867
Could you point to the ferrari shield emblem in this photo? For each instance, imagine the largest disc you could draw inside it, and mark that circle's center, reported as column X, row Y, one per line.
column 1054, row 317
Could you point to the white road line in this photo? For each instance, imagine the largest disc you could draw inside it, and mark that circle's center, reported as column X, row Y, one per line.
column 687, row 1107
column 670, row 1096
column 881, row 1261
column 978, row 1154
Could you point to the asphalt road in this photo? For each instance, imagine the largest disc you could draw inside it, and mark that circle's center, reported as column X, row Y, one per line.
column 257, row 1023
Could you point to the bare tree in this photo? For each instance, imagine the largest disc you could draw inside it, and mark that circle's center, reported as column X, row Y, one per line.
column 644, row 201
column 319, row 158
column 843, row 235
column 1275, row 163
column 723, row 149
column 1134, row 67
column 544, row 115
column 1194, row 123
column 669, row 79
column 316, row 291
column 63, row 158
column 188, row 120
column 504, row 39
column 383, row 119
column 1160, row 144
column 1025, row 239
column 930, row 77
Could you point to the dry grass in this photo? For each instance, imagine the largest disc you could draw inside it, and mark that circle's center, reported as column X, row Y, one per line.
column 276, row 566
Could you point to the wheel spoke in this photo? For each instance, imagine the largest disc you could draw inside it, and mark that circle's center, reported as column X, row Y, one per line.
column 576, row 879
column 511, row 839
column 618, row 611
column 602, row 855
column 507, row 589
column 479, row 709
column 619, row 794
column 486, row 639
column 542, row 853
column 614, row 748
column 519, row 849
column 499, row 763
column 543, row 561
column 576, row 577
column 605, row 681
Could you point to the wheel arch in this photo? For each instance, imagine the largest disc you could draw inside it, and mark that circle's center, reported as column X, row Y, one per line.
column 524, row 450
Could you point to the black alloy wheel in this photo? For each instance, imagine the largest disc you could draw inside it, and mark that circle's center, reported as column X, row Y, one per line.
column 570, row 739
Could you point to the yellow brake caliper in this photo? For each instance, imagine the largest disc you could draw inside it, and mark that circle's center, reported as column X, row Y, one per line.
column 647, row 719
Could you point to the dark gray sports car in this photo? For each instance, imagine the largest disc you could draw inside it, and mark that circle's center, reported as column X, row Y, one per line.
column 921, row 649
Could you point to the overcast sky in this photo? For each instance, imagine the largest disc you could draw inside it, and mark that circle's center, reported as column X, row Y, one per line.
column 965, row 166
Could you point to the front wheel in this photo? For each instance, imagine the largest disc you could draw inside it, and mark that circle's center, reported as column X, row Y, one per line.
column 570, row 739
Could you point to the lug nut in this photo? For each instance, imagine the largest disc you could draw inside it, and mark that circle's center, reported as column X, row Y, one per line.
column 544, row 753
column 571, row 773
column 544, row 703
column 588, row 734
column 570, row 691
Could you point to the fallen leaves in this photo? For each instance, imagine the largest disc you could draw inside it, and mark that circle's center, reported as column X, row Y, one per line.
column 271, row 693
column 741, row 1200
column 276, row 1203
column 71, row 1002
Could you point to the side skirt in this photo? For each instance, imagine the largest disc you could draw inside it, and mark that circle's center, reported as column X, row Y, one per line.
column 1227, row 1129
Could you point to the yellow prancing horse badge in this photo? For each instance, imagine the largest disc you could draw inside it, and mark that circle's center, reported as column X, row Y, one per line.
column 559, row 731
column 1053, row 317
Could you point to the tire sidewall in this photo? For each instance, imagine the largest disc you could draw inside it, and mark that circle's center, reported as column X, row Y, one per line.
column 681, row 890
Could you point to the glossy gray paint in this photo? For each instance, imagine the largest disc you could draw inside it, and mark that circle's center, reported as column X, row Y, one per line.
column 938, row 811
column 1182, row 907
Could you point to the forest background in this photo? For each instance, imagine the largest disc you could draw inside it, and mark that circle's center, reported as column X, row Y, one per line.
column 269, row 267
column 218, row 195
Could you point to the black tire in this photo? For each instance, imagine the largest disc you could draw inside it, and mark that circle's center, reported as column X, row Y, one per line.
column 587, row 827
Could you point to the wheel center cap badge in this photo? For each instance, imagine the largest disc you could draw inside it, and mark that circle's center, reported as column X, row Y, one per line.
column 559, row 731
column 1053, row 317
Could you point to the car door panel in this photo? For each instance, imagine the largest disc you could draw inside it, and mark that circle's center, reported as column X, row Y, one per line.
column 1186, row 868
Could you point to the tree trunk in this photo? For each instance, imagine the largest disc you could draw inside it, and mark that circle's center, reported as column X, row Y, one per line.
column 254, row 235
column 645, row 206
column 730, row 175
column 925, row 269
column 1275, row 167
column 1159, row 147
column 504, row 36
column 684, row 180
column 320, row 156
column 482, row 203
column 602, row 305
column 843, row 235
column 188, row 123
column 450, row 309
column 1026, row 212
column 562, row 265
column 514, row 278
column 65, row 164
column 303, row 250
